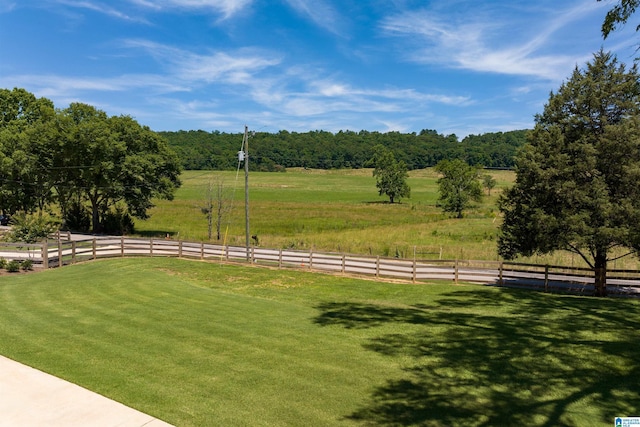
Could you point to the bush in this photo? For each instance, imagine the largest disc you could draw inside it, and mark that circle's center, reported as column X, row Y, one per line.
column 27, row 265
column 13, row 266
column 78, row 217
column 31, row 228
column 3, row 263
column 117, row 222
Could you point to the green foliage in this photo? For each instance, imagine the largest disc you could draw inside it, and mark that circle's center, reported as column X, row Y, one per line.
column 459, row 185
column 619, row 15
column 578, row 180
column 342, row 150
column 3, row 263
column 391, row 175
column 79, row 156
column 489, row 183
column 27, row 265
column 77, row 217
column 31, row 228
column 117, row 221
column 13, row 266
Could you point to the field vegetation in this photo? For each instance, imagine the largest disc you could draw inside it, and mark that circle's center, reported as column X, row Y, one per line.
column 200, row 344
column 341, row 211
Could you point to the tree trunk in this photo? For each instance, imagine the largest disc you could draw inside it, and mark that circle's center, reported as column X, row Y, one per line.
column 600, row 274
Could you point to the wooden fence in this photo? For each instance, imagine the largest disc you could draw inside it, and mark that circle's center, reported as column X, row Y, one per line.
column 56, row 253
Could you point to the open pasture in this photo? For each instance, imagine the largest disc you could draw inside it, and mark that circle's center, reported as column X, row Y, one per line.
column 341, row 211
column 338, row 211
column 197, row 343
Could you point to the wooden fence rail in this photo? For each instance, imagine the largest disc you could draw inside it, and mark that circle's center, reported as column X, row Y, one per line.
column 56, row 253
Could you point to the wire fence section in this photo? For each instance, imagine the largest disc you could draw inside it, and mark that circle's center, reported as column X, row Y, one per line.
column 56, row 253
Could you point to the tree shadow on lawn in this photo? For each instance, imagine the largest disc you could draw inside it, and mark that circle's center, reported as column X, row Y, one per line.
column 491, row 358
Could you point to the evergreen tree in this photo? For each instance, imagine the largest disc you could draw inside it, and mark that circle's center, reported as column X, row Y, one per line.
column 578, row 180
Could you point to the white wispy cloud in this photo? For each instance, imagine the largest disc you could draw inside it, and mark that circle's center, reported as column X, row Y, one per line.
column 476, row 43
column 101, row 8
column 226, row 8
column 321, row 13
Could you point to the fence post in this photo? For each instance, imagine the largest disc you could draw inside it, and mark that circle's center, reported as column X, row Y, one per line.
column 546, row 278
column 343, row 263
column 93, row 247
column 226, row 251
column 59, row 253
column 179, row 248
column 378, row 266
column 253, row 254
column 500, row 277
column 151, row 247
column 45, row 254
column 414, row 270
column 73, row 252
column 201, row 251
column 455, row 272
column 122, row 246
column 310, row 259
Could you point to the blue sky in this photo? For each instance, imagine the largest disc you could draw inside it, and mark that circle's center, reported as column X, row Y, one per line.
column 456, row 66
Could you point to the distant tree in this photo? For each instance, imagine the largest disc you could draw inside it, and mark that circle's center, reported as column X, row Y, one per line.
column 391, row 174
column 459, row 185
column 578, row 180
column 619, row 15
column 489, row 183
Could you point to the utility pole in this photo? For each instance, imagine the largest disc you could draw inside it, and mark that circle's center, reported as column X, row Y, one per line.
column 246, row 190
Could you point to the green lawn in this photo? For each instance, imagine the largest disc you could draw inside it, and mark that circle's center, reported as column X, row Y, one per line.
column 207, row 344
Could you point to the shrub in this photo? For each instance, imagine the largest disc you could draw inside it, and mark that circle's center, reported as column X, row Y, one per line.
column 3, row 263
column 31, row 228
column 78, row 217
column 117, row 221
column 13, row 266
column 27, row 265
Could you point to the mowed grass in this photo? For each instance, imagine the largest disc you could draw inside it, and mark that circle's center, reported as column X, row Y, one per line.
column 200, row 344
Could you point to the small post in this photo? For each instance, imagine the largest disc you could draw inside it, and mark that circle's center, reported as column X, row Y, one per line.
column 344, row 263
column 414, row 271
column 378, row 266
column 59, row 252
column 151, row 247
column 546, row 278
column 45, row 254
column 179, row 248
column 455, row 274
column 93, row 247
column 280, row 258
column 500, row 277
column 310, row 259
column 73, row 252
column 122, row 246
column 201, row 250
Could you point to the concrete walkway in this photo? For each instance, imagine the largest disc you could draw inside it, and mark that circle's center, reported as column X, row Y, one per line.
column 32, row 398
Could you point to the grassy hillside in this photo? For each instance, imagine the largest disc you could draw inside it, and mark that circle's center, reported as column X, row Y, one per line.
column 204, row 344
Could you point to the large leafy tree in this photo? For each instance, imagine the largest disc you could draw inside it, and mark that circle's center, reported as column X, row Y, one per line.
column 27, row 137
column 391, row 174
column 110, row 160
column 459, row 185
column 578, row 180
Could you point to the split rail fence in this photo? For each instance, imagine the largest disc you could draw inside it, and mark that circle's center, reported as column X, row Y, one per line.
column 56, row 253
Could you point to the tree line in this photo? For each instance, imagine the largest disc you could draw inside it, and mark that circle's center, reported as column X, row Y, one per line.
column 199, row 149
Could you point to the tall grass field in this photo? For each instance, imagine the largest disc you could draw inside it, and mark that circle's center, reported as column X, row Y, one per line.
column 206, row 344
column 341, row 211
